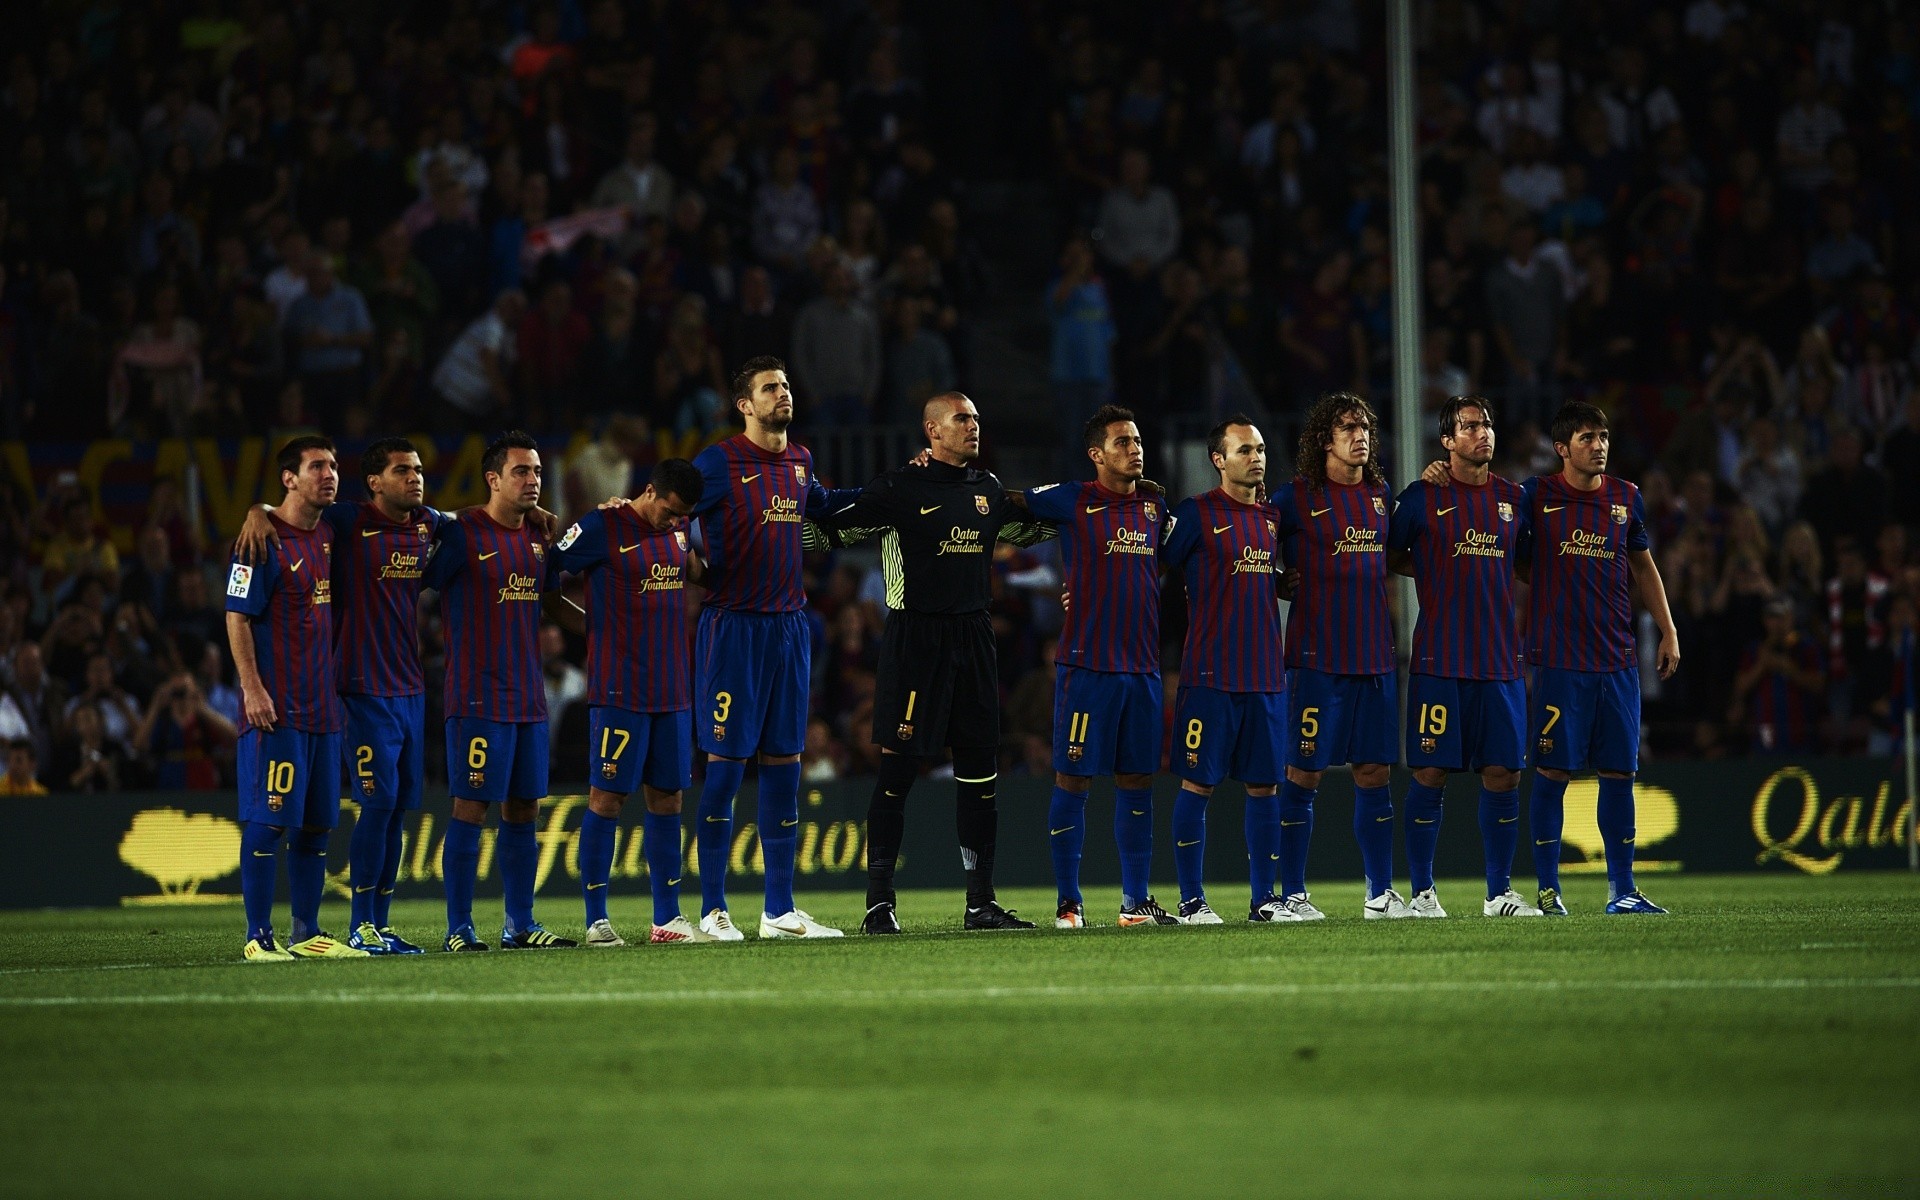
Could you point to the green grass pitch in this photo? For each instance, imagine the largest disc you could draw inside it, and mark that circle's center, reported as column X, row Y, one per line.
column 1762, row 1040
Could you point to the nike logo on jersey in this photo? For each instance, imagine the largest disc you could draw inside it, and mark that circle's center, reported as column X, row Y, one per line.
column 485, row 557
column 1185, row 844
column 298, row 563
column 1552, row 507
column 630, row 549
column 1441, row 512
column 370, row 533
column 925, row 511
column 1091, row 508
column 751, row 478
column 1221, row 528
column 1319, row 512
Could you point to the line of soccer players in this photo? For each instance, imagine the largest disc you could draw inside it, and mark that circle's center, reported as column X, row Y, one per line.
column 333, row 685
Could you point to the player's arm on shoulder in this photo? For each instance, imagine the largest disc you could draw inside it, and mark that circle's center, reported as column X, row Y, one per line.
column 564, row 612
column 342, row 516
column 447, row 557
column 1028, row 533
column 820, row 538
column 1181, row 537
column 1051, row 501
column 257, row 535
column 716, row 479
column 584, row 544
column 250, row 585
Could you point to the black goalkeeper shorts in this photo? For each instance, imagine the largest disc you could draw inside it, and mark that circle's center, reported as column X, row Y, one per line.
column 938, row 684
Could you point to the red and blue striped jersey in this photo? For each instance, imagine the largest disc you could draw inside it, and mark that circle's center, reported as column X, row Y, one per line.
column 1337, row 537
column 1580, row 612
column 490, row 578
column 637, row 648
column 1110, row 547
column 1228, row 553
column 750, row 511
column 289, row 596
column 1463, row 539
column 376, row 585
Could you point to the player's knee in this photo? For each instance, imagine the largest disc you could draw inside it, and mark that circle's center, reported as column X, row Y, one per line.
column 1432, row 777
column 1079, row 785
column 473, row 812
column 1616, row 775
column 605, row 804
column 1500, row 779
column 775, row 760
column 1371, row 775
column 721, row 758
column 1300, row 778
column 1260, row 791
column 663, row 804
column 519, row 812
column 1202, row 790
column 1557, row 776
column 975, row 764
column 1133, row 781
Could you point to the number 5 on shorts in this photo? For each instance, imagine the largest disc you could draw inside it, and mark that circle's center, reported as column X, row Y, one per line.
column 1309, row 722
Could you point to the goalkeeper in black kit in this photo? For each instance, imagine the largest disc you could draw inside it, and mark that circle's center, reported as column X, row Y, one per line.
column 938, row 685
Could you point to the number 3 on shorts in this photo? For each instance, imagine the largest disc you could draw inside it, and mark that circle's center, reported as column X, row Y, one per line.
column 722, row 705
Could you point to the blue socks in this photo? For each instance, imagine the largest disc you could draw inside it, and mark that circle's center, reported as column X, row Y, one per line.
column 459, row 860
column 595, row 860
column 1133, row 833
column 779, row 831
column 663, row 864
column 366, row 856
column 1547, row 814
column 1423, row 834
column 713, row 829
column 259, row 867
column 1067, row 837
column 306, row 879
column 1499, row 834
column 1263, row 844
column 1614, row 815
column 1373, row 829
column 390, row 870
column 519, row 856
column 1296, row 834
column 1190, row 842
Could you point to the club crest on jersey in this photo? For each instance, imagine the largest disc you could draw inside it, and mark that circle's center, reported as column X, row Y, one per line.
column 1619, row 514
column 476, row 779
column 1546, row 745
column 1506, row 511
column 1193, row 758
column 1379, row 506
column 719, row 733
column 366, row 785
column 539, row 551
column 421, row 529
column 1306, row 747
column 1153, row 510
column 1429, row 745
column 905, row 731
column 1272, row 529
column 980, row 502
column 609, row 769
column 275, row 803
column 680, row 539
column 1073, row 753
column 800, row 473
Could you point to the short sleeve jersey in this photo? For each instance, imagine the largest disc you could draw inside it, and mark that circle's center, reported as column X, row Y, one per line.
column 1228, row 553
column 289, row 598
column 637, row 649
column 376, row 578
column 1580, row 611
column 490, row 579
column 1110, row 547
column 750, row 511
column 1463, row 538
column 1337, row 537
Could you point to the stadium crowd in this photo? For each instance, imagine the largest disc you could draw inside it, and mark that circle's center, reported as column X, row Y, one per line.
column 226, row 218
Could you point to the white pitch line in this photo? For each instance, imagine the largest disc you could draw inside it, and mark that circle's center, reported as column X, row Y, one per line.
column 894, row 996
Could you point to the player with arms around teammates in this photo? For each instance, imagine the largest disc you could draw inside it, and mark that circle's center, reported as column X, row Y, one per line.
column 491, row 567
column 752, row 653
column 1341, row 686
column 1230, row 716
column 1106, row 700
column 639, row 695
column 1466, row 692
column 280, row 629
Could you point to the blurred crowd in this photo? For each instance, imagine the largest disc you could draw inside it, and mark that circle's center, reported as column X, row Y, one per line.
column 226, row 216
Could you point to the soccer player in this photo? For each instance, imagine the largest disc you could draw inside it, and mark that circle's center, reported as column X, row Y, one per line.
column 752, row 652
column 1590, row 553
column 1230, row 713
column 639, row 696
column 490, row 568
column 1340, row 686
column 1106, row 699
column 280, row 628
column 1466, row 697
column 938, row 685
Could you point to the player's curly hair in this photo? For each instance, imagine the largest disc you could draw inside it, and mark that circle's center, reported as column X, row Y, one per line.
column 1316, row 437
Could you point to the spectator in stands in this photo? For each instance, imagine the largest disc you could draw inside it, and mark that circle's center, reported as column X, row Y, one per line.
column 786, row 215
column 88, row 760
column 689, row 380
column 1138, row 224
column 332, row 329
column 22, row 776
column 837, row 353
column 1849, row 496
column 1900, row 459
column 550, row 344
column 565, row 683
column 919, row 365
column 637, row 182
column 113, row 707
column 454, row 252
column 1526, row 303
column 184, row 740
column 33, row 703
column 1083, row 337
column 471, row 382
column 759, row 322
column 77, row 549
column 1778, row 691
column 823, row 760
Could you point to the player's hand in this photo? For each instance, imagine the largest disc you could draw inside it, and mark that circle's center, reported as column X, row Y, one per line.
column 259, row 708
column 1289, row 583
column 1066, row 601
column 613, row 502
column 1437, row 474
column 1669, row 654
column 544, row 523
column 1260, row 493
column 1017, row 497
column 256, row 534
column 1150, row 487
column 921, row 459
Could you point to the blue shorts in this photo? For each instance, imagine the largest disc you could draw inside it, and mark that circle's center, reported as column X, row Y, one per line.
column 289, row 777
column 1585, row 719
column 1340, row 719
column 1466, row 724
column 385, row 750
column 751, row 691
column 627, row 748
column 1105, row 722
column 1219, row 735
column 493, row 761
